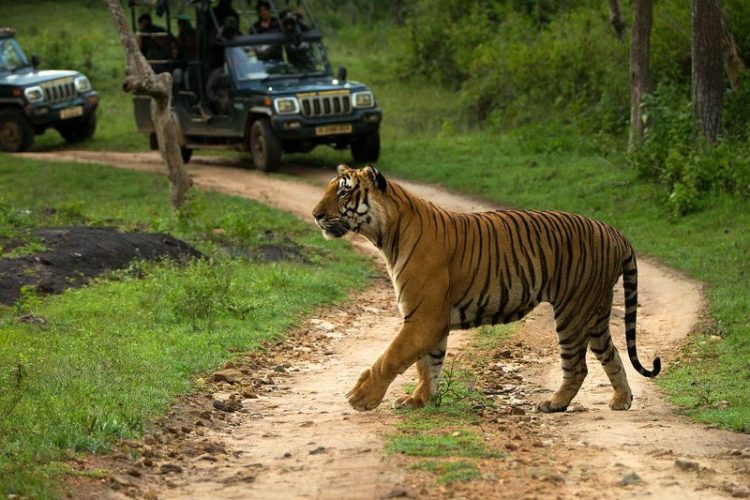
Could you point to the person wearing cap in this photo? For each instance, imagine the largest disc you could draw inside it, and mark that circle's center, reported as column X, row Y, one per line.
column 186, row 39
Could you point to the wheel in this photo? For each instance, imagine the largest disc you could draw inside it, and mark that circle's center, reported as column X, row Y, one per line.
column 366, row 149
column 153, row 143
column 16, row 133
column 187, row 153
column 77, row 129
column 265, row 146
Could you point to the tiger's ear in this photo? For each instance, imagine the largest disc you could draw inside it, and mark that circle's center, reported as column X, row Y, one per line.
column 376, row 177
column 343, row 168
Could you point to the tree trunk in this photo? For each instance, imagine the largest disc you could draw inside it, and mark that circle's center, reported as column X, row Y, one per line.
column 616, row 19
column 141, row 79
column 640, row 68
column 707, row 90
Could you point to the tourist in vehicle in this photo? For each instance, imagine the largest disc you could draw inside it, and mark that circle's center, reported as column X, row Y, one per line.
column 187, row 41
column 155, row 44
column 266, row 22
column 223, row 11
column 217, row 90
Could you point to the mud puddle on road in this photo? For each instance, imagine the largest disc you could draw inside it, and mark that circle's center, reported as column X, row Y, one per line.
column 588, row 451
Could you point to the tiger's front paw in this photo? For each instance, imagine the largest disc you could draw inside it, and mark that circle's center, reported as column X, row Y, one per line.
column 407, row 402
column 366, row 393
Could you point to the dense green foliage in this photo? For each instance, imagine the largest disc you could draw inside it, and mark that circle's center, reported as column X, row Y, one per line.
column 106, row 358
column 521, row 62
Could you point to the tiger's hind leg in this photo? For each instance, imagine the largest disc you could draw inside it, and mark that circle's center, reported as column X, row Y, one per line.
column 572, row 335
column 428, row 372
column 606, row 353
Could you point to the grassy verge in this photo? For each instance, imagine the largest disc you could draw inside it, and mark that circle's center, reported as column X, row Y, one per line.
column 109, row 356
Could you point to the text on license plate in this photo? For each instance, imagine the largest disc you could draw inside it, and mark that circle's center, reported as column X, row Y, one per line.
column 71, row 112
column 345, row 128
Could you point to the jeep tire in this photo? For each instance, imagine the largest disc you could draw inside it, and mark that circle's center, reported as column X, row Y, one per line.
column 265, row 146
column 185, row 152
column 366, row 148
column 77, row 129
column 16, row 133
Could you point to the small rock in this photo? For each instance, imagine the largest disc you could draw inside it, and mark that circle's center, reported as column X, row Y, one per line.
column 319, row 450
column 248, row 392
column 279, row 368
column 511, row 447
column 120, row 480
column 205, row 415
column 685, row 464
column 171, row 429
column 229, row 375
column 186, row 430
column 134, row 472
column 306, row 423
column 229, row 406
column 517, row 411
column 714, row 339
column 208, row 458
column 741, row 492
column 167, row 468
column 199, row 423
column 286, row 455
column 631, row 478
column 148, row 462
column 397, row 494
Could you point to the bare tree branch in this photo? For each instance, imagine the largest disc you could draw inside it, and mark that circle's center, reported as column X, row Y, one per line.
column 140, row 79
column 733, row 63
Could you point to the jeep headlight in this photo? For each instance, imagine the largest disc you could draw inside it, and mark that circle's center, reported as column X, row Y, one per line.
column 286, row 105
column 82, row 84
column 363, row 99
column 34, row 94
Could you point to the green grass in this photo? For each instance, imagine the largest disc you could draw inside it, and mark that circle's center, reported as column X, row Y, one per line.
column 450, row 472
column 112, row 355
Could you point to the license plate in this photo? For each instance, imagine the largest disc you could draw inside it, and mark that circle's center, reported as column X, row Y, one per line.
column 334, row 129
column 71, row 112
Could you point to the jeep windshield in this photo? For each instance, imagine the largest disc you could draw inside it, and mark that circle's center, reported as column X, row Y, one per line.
column 11, row 55
column 261, row 62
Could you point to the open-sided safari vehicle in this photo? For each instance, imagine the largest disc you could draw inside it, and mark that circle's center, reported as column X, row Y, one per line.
column 33, row 100
column 260, row 85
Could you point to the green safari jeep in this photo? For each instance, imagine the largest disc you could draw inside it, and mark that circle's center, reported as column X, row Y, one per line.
column 263, row 92
column 32, row 100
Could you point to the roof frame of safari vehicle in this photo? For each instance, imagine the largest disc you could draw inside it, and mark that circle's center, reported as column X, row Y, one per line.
column 260, row 131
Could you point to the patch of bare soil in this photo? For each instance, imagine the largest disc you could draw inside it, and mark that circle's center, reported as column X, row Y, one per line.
column 299, row 439
column 74, row 255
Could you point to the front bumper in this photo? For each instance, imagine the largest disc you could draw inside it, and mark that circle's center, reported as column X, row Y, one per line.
column 329, row 129
column 43, row 115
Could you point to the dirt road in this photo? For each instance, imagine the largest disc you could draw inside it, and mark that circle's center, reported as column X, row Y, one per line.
column 299, row 439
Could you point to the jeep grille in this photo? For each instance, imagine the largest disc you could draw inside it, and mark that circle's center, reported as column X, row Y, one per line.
column 59, row 90
column 326, row 105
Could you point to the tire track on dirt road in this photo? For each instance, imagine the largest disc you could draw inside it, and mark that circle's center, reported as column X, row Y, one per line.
column 645, row 451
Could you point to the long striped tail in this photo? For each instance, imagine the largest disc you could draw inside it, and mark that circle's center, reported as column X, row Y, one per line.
column 630, row 283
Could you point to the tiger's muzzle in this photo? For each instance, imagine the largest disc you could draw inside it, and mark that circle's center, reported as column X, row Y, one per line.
column 336, row 227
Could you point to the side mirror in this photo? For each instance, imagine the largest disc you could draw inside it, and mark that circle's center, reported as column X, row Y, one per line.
column 342, row 73
column 35, row 61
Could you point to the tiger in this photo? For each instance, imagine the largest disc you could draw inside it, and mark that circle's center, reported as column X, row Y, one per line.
column 453, row 270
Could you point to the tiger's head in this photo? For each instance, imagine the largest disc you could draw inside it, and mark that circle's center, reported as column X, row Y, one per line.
column 353, row 201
